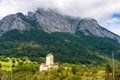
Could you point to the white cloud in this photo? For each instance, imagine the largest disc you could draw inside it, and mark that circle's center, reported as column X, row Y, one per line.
column 98, row 9
column 101, row 10
column 113, row 25
column 114, row 28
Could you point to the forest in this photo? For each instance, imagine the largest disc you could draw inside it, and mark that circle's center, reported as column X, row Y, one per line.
column 79, row 56
column 36, row 44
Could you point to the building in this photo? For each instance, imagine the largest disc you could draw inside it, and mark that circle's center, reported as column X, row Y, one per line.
column 49, row 60
column 49, row 63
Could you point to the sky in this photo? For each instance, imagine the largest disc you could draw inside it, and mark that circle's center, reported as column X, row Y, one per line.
column 106, row 12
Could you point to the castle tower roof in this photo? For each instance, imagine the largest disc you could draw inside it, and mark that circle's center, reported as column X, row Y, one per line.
column 49, row 55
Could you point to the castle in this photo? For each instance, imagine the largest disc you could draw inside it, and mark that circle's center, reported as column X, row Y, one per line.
column 49, row 63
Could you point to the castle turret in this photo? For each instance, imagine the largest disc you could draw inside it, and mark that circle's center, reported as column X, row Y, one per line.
column 49, row 60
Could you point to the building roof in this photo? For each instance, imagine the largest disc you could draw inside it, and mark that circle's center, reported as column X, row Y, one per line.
column 49, row 55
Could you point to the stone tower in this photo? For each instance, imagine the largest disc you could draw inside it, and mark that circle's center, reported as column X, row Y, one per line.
column 49, row 60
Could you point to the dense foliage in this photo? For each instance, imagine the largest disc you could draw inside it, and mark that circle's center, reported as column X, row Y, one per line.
column 25, row 69
column 71, row 48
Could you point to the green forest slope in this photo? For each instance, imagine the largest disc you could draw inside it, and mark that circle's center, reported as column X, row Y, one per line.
column 68, row 48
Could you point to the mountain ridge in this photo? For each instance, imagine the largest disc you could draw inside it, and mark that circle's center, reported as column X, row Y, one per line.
column 52, row 21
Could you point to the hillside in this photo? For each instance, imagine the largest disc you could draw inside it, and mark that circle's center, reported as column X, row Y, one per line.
column 36, row 44
column 71, row 40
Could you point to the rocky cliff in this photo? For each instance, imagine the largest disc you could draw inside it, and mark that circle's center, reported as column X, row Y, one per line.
column 51, row 21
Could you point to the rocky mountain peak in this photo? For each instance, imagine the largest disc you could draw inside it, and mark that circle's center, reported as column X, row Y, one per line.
column 88, row 25
column 13, row 21
column 51, row 21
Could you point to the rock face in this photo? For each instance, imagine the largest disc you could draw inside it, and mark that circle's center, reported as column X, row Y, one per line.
column 13, row 21
column 51, row 21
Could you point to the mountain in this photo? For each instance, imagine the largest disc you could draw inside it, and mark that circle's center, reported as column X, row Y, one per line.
column 38, row 33
column 51, row 21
